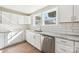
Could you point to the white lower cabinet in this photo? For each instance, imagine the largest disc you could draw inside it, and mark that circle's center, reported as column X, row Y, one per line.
column 64, row 46
column 38, row 41
column 29, row 37
column 34, row 39
column 64, row 42
column 59, row 48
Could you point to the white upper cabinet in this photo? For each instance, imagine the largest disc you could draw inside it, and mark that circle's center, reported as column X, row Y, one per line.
column 37, row 19
column 20, row 19
column 76, row 12
column 27, row 20
column 6, row 17
column 14, row 19
column 65, row 13
column 11, row 18
column 0, row 16
column 62, row 13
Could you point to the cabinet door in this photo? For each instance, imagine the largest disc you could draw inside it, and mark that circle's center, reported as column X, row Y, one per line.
column 28, row 36
column 59, row 48
column 34, row 39
column 76, row 13
column 37, row 41
column 27, row 20
column 14, row 19
column 0, row 16
column 65, row 13
column 6, row 18
column 20, row 19
column 1, row 40
column 64, row 46
column 37, row 19
column 64, row 42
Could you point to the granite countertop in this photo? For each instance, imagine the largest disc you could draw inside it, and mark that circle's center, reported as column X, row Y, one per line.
column 60, row 35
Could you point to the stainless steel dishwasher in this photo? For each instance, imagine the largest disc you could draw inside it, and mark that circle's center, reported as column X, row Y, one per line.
column 48, row 45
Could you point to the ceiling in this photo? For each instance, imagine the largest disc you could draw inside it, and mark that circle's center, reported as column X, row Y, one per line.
column 25, row 8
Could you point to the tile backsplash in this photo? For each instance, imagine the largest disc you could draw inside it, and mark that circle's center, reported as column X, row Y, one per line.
column 70, row 27
column 63, row 28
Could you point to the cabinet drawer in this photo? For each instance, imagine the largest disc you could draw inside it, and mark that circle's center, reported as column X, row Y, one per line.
column 64, row 42
column 63, row 49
